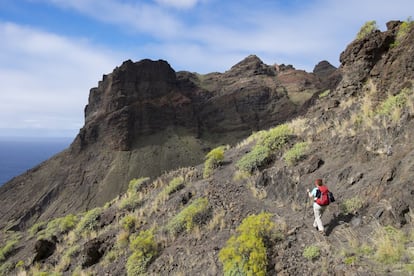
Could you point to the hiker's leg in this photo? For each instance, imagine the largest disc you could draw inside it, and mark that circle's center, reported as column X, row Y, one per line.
column 318, row 210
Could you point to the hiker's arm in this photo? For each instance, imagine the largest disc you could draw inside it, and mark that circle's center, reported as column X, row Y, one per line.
column 309, row 193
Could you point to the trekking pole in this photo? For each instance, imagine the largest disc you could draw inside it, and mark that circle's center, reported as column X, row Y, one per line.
column 306, row 207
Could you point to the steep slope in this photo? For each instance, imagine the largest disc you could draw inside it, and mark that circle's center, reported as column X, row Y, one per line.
column 357, row 138
column 144, row 119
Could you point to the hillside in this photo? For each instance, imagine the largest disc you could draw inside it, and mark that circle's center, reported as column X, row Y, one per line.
column 239, row 206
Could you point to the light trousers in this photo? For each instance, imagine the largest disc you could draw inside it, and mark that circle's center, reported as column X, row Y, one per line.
column 318, row 212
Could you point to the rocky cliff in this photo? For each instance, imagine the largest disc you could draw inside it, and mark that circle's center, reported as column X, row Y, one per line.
column 144, row 119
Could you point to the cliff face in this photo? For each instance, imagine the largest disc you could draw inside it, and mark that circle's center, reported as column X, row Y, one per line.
column 143, row 119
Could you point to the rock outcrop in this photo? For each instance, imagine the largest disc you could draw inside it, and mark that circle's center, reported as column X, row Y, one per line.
column 143, row 119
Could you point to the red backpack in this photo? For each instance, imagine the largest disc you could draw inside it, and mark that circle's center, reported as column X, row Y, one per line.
column 323, row 198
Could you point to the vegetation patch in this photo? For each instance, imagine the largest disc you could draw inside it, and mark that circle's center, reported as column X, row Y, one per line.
column 56, row 227
column 351, row 205
column 296, row 152
column 403, row 30
column 213, row 160
column 130, row 202
column 324, row 93
column 10, row 245
column 389, row 243
column 311, row 252
column 195, row 213
column 176, row 184
column 136, row 184
column 267, row 143
column 246, row 253
column 129, row 223
column 89, row 221
column 368, row 28
column 255, row 159
column 144, row 249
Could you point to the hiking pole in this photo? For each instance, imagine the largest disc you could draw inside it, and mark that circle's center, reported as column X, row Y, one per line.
column 306, row 207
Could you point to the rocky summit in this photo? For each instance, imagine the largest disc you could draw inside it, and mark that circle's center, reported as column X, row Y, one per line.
column 178, row 173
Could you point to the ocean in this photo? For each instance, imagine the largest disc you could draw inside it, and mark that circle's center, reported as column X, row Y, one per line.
column 18, row 155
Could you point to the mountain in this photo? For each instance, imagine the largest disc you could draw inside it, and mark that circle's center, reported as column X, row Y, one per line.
column 228, row 157
column 144, row 119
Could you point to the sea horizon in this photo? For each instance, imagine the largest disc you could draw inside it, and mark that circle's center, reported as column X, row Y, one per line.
column 19, row 154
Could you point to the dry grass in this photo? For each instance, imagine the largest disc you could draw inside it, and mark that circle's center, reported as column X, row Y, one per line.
column 217, row 221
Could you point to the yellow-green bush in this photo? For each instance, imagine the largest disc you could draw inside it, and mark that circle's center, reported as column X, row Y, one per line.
column 57, row 226
column 144, row 249
column 255, row 159
column 213, row 159
column 324, row 93
column 130, row 202
column 403, row 31
column 311, row 252
column 37, row 227
column 89, row 220
column 135, row 184
column 189, row 216
column 175, row 185
column 267, row 143
column 351, row 205
column 296, row 152
column 129, row 222
column 368, row 28
column 389, row 243
column 10, row 245
column 246, row 253
column 275, row 138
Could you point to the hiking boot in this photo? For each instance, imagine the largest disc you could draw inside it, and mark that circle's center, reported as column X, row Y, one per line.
column 322, row 233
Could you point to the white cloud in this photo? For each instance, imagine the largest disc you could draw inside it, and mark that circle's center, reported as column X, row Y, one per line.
column 181, row 4
column 46, row 78
column 138, row 15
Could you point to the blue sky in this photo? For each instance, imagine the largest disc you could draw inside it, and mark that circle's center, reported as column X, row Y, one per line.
column 53, row 51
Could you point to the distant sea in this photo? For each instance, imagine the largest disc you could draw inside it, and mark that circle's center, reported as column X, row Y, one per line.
column 17, row 155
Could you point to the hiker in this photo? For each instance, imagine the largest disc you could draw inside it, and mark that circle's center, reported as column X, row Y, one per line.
column 319, row 194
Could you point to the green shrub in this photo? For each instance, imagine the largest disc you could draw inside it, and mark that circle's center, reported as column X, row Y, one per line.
column 350, row 260
column 311, row 252
column 351, row 205
column 144, row 249
column 267, row 142
column 403, row 31
column 37, row 227
column 213, row 160
column 130, row 202
column 246, row 253
column 296, row 152
column 58, row 226
column 6, row 268
column 324, row 93
column 393, row 104
column 19, row 265
column 368, row 28
column 389, row 243
column 89, row 220
column 255, row 159
column 129, row 222
column 9, row 246
column 136, row 184
column 275, row 138
column 175, row 185
column 192, row 214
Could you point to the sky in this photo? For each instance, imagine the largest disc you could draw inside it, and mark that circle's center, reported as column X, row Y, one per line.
column 52, row 52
